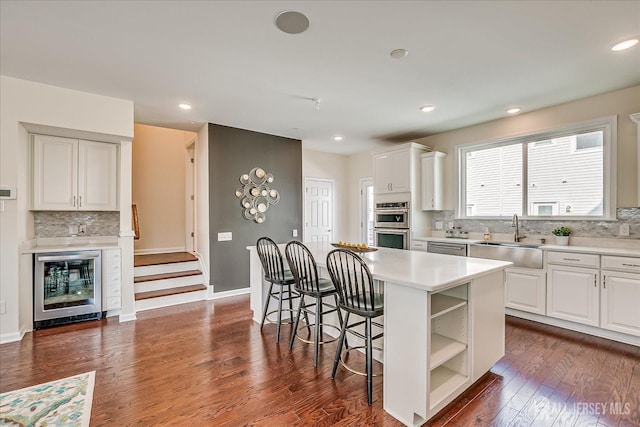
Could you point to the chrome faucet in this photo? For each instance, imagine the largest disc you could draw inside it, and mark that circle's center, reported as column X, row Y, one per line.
column 514, row 223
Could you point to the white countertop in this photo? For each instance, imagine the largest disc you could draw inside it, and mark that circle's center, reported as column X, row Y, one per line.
column 593, row 250
column 608, row 250
column 446, row 239
column 68, row 244
column 422, row 270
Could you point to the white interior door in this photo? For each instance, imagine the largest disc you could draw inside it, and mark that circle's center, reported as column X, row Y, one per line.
column 190, row 222
column 366, row 211
column 318, row 211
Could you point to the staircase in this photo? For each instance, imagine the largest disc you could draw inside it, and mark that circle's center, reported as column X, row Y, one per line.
column 162, row 280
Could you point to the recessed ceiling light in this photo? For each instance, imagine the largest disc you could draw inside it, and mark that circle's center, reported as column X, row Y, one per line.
column 514, row 110
column 185, row 106
column 625, row 44
column 292, row 22
column 427, row 108
column 337, row 138
column 399, row 53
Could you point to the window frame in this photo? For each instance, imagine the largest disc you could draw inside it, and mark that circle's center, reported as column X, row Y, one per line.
column 608, row 125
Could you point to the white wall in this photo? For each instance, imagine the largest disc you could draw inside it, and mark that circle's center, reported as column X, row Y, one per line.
column 621, row 103
column 316, row 164
column 25, row 106
column 159, row 176
column 359, row 165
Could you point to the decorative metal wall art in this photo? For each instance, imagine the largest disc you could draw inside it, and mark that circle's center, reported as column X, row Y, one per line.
column 256, row 195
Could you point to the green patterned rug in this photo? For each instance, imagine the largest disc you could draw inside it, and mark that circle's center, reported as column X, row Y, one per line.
column 65, row 402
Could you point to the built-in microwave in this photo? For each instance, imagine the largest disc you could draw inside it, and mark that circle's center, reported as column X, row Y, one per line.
column 392, row 215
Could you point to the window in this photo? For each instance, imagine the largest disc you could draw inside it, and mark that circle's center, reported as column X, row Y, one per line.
column 563, row 173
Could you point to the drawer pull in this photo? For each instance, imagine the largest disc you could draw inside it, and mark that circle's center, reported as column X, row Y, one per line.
column 631, row 265
column 571, row 259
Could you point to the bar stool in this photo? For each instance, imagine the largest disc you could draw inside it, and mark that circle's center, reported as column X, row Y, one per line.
column 308, row 283
column 352, row 278
column 275, row 274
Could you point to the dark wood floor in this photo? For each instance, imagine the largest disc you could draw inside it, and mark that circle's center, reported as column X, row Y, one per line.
column 207, row 363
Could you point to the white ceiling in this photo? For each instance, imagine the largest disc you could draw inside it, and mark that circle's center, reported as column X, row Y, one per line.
column 472, row 59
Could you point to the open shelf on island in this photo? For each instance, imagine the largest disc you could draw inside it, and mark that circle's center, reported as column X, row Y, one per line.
column 442, row 304
column 443, row 349
column 443, row 382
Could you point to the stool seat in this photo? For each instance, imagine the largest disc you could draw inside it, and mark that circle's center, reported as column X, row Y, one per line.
column 277, row 275
column 308, row 283
column 357, row 295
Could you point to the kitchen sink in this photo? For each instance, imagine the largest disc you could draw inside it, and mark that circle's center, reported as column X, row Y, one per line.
column 520, row 254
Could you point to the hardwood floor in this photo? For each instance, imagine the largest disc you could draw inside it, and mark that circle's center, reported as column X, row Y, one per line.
column 206, row 363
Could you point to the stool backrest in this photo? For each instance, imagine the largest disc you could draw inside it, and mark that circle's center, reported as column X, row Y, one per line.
column 303, row 267
column 352, row 278
column 271, row 259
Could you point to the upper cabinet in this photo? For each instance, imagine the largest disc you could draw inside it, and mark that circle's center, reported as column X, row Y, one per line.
column 431, row 169
column 394, row 170
column 71, row 174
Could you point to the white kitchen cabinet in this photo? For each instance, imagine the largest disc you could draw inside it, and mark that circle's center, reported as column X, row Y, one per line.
column 525, row 290
column 431, row 172
column 394, row 170
column 620, row 294
column 111, row 279
column 71, row 174
column 573, row 293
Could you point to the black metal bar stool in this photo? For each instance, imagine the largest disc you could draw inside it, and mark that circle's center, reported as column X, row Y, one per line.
column 308, row 283
column 357, row 295
column 275, row 274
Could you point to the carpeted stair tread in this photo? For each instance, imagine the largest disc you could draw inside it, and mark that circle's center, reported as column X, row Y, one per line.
column 170, row 291
column 163, row 276
column 167, row 258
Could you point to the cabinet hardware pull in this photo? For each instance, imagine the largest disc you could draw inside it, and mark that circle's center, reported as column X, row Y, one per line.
column 595, row 280
column 74, row 201
column 604, row 282
column 571, row 259
column 80, row 200
column 631, row 265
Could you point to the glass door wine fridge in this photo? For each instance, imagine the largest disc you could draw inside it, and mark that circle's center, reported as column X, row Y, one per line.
column 67, row 287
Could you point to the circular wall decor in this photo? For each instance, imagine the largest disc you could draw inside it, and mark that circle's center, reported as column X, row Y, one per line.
column 256, row 195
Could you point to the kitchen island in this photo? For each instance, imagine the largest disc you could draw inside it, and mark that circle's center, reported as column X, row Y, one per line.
column 443, row 323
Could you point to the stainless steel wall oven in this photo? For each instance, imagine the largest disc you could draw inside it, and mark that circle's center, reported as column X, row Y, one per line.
column 391, row 226
column 67, row 287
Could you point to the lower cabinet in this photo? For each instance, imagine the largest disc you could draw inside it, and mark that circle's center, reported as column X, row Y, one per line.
column 111, row 279
column 573, row 293
column 620, row 302
column 525, row 290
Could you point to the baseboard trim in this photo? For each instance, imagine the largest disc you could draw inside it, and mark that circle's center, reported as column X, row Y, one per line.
column 12, row 337
column 585, row 329
column 231, row 293
column 127, row 317
column 159, row 251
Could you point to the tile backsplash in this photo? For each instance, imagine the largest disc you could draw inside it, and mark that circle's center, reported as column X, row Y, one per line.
column 57, row 223
column 599, row 229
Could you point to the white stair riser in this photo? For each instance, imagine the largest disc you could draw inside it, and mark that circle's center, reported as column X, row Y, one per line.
column 166, row 301
column 156, row 285
column 174, row 267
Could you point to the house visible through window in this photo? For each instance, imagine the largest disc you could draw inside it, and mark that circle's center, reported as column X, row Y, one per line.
column 562, row 173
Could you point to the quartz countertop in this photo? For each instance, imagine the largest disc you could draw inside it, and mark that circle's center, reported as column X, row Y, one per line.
column 417, row 269
column 68, row 244
column 446, row 239
column 593, row 250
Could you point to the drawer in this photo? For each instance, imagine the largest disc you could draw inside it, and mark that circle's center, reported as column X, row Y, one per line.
column 113, row 303
column 419, row 246
column 572, row 258
column 621, row 263
column 113, row 291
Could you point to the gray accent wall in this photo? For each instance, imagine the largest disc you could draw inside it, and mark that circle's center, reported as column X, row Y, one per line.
column 233, row 152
